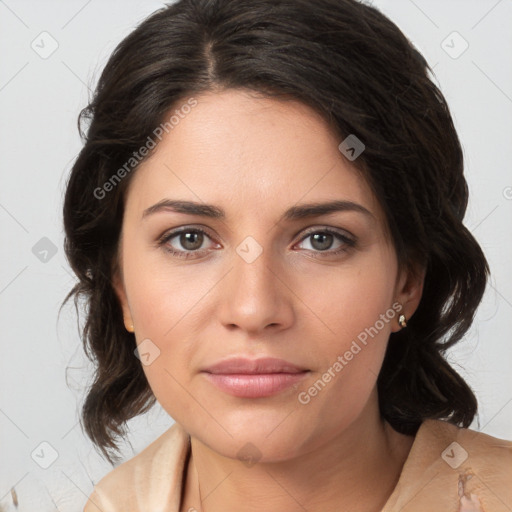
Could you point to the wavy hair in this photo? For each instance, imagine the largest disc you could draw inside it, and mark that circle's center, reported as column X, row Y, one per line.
column 353, row 66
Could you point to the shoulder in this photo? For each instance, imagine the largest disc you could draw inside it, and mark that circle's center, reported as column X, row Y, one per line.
column 468, row 448
column 453, row 468
column 149, row 481
column 443, row 430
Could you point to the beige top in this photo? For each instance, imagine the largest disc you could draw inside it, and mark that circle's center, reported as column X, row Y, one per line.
column 448, row 469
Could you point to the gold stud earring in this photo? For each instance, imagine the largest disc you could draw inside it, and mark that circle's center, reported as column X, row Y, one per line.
column 402, row 321
column 130, row 328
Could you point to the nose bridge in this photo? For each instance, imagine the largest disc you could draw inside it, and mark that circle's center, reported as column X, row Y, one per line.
column 255, row 296
column 252, row 264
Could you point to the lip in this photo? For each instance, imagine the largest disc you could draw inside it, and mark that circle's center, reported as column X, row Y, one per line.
column 262, row 365
column 254, row 378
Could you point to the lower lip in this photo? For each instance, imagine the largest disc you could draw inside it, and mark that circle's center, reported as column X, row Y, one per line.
column 254, row 385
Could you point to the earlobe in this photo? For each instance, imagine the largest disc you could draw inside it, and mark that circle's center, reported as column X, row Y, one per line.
column 409, row 293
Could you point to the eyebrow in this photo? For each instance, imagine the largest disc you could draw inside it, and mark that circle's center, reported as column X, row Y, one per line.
column 294, row 213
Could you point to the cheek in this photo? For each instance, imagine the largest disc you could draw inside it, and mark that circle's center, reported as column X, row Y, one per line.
column 162, row 308
column 167, row 319
column 162, row 335
column 354, row 321
column 351, row 303
column 161, row 296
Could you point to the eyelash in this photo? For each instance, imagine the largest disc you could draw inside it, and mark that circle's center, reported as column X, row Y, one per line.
column 162, row 242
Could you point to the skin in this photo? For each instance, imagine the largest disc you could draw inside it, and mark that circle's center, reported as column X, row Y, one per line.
column 255, row 158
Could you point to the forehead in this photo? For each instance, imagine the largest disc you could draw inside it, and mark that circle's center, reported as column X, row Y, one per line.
column 249, row 153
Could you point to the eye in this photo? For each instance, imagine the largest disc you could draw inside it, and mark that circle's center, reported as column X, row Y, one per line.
column 322, row 240
column 188, row 243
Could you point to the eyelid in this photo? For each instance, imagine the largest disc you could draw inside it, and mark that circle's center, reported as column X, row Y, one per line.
column 171, row 233
column 326, row 229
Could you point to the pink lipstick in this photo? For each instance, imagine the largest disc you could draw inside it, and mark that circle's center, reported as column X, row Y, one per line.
column 254, row 378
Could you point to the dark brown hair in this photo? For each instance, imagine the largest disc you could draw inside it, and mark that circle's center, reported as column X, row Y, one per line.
column 352, row 65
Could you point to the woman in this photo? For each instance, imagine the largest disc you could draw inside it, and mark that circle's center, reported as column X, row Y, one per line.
column 267, row 224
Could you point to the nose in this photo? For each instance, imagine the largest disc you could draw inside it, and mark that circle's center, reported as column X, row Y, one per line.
column 255, row 297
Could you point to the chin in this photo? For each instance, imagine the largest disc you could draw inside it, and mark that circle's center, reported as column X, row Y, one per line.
column 255, row 437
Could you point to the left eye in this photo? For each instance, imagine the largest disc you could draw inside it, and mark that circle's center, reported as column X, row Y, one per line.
column 321, row 241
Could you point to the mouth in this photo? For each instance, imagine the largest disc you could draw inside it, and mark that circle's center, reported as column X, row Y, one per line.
column 254, row 378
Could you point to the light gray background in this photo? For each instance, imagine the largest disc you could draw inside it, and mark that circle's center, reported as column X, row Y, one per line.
column 40, row 99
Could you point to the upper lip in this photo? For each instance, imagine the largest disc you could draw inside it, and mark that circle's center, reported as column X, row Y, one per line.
column 264, row 365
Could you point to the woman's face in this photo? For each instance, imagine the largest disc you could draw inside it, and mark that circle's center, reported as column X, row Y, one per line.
column 265, row 280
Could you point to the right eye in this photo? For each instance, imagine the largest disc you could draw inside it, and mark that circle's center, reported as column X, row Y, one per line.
column 190, row 239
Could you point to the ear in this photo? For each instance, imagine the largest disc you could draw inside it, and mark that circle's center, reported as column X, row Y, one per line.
column 409, row 290
column 120, row 291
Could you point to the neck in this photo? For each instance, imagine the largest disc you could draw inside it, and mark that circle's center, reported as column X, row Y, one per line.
column 356, row 470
